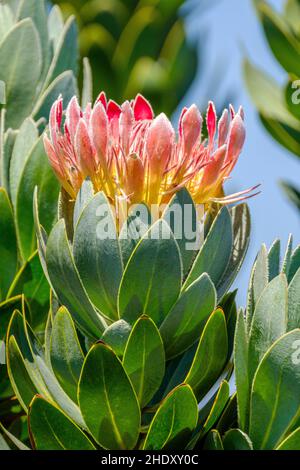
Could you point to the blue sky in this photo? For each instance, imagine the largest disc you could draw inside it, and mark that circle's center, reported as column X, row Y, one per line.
column 234, row 31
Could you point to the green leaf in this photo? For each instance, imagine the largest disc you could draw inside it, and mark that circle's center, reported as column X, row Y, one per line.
column 215, row 253
column 55, row 26
column 50, row 429
column 6, row 311
column 2, row 92
column 20, row 71
column 6, row 20
column 292, row 14
column 8, row 140
column 66, row 283
column 181, row 216
column 213, row 441
column 294, row 302
column 144, row 359
column 291, row 442
column 228, row 305
column 31, row 282
column 284, row 45
column 287, row 256
column 37, row 12
column 258, row 281
column 153, row 293
column 65, row 85
column 87, row 88
column 37, row 172
column 210, row 356
column 116, row 336
column 27, row 372
column 107, row 400
column 25, row 139
column 65, row 352
column 41, row 234
column 8, row 244
column 16, row 443
column 3, row 444
column 133, row 229
column 294, row 264
column 174, row 421
column 275, row 399
column 241, row 371
column 274, row 260
column 215, row 406
column 65, row 54
column 19, row 377
column 241, row 225
column 229, row 416
column 97, row 254
column 268, row 98
column 269, row 321
column 47, row 384
column 84, row 196
column 292, row 193
column 285, row 134
column 235, row 439
column 184, row 323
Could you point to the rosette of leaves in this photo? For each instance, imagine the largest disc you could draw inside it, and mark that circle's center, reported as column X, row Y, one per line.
column 38, row 61
column 279, row 107
column 136, row 46
column 143, row 333
column 264, row 413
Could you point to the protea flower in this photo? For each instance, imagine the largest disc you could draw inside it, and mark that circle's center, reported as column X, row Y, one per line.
column 130, row 154
column 152, row 305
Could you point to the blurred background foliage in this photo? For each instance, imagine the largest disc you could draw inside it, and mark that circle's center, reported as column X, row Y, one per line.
column 279, row 106
column 136, row 46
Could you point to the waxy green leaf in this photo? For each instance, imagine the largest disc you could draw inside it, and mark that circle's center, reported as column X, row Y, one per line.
column 269, row 321
column 156, row 290
column 181, row 215
column 50, row 429
column 65, row 352
column 8, row 245
column 67, row 284
column 144, row 359
column 36, row 172
column 210, row 356
column 104, row 386
column 97, row 254
column 20, row 47
column 215, row 253
column 184, row 323
column 235, row 439
column 275, row 399
column 174, row 421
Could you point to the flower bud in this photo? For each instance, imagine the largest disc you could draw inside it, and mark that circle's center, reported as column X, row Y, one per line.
column 99, row 131
column 84, row 150
column 191, row 128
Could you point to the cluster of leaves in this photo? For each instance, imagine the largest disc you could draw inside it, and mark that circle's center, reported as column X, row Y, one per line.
column 266, row 353
column 38, row 56
column 136, row 46
column 139, row 385
column 279, row 108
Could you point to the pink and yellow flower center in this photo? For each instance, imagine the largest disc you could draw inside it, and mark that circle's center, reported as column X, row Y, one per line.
column 130, row 154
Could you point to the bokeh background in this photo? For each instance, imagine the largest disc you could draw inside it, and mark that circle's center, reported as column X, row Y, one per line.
column 182, row 52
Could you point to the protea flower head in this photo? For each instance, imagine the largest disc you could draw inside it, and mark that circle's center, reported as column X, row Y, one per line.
column 130, row 154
